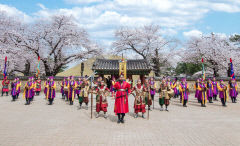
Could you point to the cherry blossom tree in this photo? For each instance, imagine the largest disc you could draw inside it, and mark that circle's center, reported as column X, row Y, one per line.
column 58, row 42
column 19, row 60
column 215, row 49
column 148, row 43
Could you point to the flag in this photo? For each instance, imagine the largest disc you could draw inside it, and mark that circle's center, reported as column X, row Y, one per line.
column 232, row 71
column 5, row 68
column 203, row 70
column 38, row 67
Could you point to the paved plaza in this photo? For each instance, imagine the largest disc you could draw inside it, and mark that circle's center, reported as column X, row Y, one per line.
column 39, row 124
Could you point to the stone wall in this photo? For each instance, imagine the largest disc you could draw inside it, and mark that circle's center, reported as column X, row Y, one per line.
column 58, row 81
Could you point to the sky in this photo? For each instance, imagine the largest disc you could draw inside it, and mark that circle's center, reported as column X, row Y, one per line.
column 180, row 19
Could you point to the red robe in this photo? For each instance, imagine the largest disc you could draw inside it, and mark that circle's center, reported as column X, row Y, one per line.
column 5, row 84
column 121, row 101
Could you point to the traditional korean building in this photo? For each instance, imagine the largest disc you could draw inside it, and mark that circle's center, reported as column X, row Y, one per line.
column 139, row 67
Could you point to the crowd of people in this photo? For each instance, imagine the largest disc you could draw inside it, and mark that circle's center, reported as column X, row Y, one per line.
column 143, row 92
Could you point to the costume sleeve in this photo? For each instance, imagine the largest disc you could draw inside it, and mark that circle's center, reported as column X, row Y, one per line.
column 219, row 88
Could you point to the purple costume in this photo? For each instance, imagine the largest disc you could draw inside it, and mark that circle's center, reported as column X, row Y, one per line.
column 28, row 92
column 197, row 91
column 209, row 90
column 78, row 89
column 51, row 92
column 222, row 94
column 233, row 92
column 14, row 92
column 152, row 91
column 184, row 94
column 215, row 89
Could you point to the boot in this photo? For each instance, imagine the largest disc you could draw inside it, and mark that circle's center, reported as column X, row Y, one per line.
column 143, row 116
column 97, row 115
column 136, row 115
column 105, row 115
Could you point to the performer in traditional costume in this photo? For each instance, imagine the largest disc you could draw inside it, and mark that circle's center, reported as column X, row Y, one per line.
column 27, row 94
column 164, row 92
column 233, row 90
column 18, row 87
column 209, row 90
column 62, row 87
column 121, row 99
column 38, row 86
column 5, row 84
column 147, row 98
column 101, row 100
column 196, row 86
column 65, row 88
column 71, row 90
column 78, row 88
column 14, row 89
column 51, row 87
column 222, row 88
column 175, row 87
column 184, row 91
column 45, row 87
column 112, row 86
column 215, row 88
column 202, row 93
column 85, row 86
column 139, row 103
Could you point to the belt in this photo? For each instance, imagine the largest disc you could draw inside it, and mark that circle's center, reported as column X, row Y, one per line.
column 121, row 90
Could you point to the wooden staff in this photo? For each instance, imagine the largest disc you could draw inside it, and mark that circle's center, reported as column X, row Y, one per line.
column 91, row 103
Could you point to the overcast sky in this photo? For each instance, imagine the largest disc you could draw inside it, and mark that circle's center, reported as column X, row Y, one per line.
column 177, row 18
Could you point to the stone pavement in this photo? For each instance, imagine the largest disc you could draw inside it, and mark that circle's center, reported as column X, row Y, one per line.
column 61, row 124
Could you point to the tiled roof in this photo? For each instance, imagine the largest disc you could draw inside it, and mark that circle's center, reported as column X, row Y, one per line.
column 107, row 65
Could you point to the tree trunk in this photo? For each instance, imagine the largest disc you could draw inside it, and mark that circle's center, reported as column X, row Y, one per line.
column 26, row 72
column 156, row 64
column 215, row 72
column 47, row 68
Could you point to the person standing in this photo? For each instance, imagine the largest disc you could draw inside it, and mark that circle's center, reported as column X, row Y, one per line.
column 45, row 87
column 101, row 99
column 71, row 90
column 215, row 88
column 62, row 87
column 14, row 89
column 175, row 87
column 78, row 88
column 202, row 93
column 184, row 91
column 196, row 87
column 18, row 87
column 83, row 97
column 27, row 94
column 51, row 90
column 233, row 90
column 5, row 84
column 38, row 86
column 121, row 99
column 164, row 92
column 147, row 98
column 139, row 103
column 222, row 88
column 210, row 91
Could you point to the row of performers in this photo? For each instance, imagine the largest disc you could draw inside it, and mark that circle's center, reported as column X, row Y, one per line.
column 16, row 87
column 211, row 89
